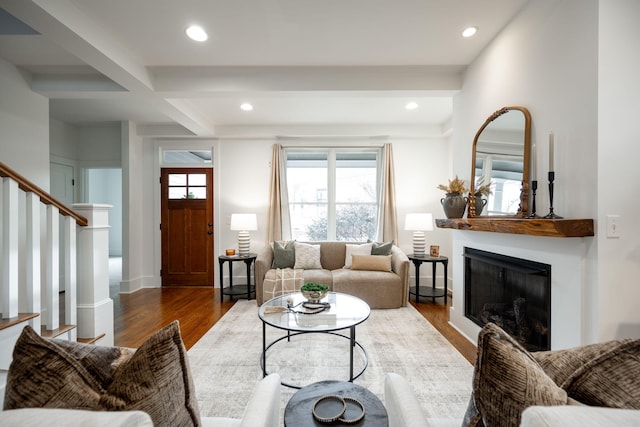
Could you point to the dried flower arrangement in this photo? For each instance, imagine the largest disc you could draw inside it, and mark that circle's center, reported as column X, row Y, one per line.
column 455, row 186
column 481, row 189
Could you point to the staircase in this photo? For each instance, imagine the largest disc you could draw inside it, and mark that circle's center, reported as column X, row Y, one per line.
column 31, row 224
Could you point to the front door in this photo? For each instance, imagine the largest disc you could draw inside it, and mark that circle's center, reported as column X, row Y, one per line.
column 187, row 226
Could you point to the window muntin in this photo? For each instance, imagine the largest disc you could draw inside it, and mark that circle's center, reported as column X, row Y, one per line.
column 187, row 186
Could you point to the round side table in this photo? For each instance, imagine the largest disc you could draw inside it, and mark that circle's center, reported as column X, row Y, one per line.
column 425, row 291
column 299, row 410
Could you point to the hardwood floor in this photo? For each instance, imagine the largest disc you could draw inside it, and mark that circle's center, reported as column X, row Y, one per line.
column 140, row 314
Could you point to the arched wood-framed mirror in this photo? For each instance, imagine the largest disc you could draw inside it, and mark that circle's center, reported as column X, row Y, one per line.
column 500, row 159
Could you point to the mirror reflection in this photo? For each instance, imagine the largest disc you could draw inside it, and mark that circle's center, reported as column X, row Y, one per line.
column 500, row 164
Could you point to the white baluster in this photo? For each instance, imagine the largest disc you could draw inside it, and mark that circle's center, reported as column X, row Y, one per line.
column 70, row 273
column 52, row 271
column 32, row 247
column 10, row 225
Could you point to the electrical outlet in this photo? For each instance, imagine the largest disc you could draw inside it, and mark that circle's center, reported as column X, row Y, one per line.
column 613, row 225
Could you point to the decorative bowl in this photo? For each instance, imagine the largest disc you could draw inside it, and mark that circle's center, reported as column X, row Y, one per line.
column 314, row 292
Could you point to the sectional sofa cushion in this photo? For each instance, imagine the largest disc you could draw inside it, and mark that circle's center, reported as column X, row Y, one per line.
column 371, row 262
column 355, row 249
column 383, row 248
column 507, row 379
column 307, row 256
column 284, row 254
column 155, row 379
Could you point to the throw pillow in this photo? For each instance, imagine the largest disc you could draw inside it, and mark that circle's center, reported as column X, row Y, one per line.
column 43, row 375
column 561, row 364
column 610, row 379
column 382, row 248
column 307, row 256
column 100, row 361
column 155, row 379
column 507, row 379
column 284, row 255
column 355, row 249
column 371, row 262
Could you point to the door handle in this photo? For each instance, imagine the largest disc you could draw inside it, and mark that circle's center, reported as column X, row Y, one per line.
column 209, row 232
column 210, row 225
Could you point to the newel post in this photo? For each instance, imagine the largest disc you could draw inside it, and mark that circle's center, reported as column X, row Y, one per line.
column 95, row 307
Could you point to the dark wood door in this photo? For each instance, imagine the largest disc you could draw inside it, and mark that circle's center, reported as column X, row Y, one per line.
column 187, row 226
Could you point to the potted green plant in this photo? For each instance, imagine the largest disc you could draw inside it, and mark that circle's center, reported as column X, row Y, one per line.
column 314, row 292
column 454, row 204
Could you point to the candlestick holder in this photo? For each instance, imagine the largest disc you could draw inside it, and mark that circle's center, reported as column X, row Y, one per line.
column 551, row 215
column 534, row 187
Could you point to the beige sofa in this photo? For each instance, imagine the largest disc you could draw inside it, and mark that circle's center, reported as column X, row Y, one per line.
column 378, row 288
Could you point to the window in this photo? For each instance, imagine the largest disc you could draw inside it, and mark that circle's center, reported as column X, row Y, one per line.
column 333, row 193
column 187, row 186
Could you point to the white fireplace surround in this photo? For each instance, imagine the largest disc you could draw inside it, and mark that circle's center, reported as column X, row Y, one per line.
column 570, row 308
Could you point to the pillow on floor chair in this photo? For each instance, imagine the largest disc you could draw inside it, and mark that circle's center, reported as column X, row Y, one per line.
column 155, row 379
column 507, row 380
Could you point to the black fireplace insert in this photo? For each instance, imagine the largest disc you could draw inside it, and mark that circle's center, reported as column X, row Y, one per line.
column 511, row 292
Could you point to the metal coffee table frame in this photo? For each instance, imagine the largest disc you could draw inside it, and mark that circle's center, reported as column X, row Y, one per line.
column 350, row 324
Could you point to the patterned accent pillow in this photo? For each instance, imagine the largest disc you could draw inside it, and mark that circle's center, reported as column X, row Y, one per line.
column 284, row 255
column 372, row 262
column 307, row 256
column 382, row 248
column 610, row 379
column 155, row 379
column 353, row 249
column 507, row 380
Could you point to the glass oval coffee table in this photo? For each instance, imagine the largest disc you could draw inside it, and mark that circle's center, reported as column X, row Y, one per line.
column 291, row 314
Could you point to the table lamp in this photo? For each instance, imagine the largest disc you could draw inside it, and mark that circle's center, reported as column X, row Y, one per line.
column 418, row 223
column 243, row 223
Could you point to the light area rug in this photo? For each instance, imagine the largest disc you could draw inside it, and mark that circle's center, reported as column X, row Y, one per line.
column 225, row 362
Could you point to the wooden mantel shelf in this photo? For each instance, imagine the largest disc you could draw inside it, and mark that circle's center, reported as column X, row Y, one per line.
column 531, row 227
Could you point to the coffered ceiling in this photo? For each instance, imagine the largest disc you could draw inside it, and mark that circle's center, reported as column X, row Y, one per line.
column 298, row 62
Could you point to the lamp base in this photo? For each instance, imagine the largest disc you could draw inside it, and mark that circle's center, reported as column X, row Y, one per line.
column 244, row 243
column 419, row 245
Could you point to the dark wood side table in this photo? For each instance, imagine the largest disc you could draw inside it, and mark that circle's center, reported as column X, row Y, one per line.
column 299, row 410
column 425, row 291
column 237, row 290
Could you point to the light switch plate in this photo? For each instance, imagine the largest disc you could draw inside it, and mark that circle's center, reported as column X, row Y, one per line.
column 613, row 225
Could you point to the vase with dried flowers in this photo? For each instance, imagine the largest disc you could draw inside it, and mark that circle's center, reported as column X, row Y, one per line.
column 481, row 189
column 454, row 204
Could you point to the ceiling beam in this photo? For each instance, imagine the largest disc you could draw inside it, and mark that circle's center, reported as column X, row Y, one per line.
column 62, row 23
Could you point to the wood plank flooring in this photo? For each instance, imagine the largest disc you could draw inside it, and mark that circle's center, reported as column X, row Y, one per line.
column 140, row 314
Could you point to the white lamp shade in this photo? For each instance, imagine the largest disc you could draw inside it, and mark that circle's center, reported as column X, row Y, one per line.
column 244, row 222
column 418, row 222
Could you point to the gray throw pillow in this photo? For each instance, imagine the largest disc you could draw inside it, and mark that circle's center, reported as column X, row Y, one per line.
column 284, row 255
column 382, row 248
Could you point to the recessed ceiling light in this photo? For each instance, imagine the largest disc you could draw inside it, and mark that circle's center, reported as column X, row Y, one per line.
column 246, row 106
column 469, row 31
column 197, row 33
column 411, row 106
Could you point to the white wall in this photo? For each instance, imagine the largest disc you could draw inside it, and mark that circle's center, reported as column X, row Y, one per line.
column 104, row 186
column 100, row 145
column 24, row 127
column 618, row 153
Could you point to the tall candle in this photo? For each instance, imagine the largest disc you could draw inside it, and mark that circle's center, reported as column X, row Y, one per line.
column 551, row 152
column 534, row 161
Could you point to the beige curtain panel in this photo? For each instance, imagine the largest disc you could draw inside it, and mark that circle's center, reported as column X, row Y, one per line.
column 388, row 216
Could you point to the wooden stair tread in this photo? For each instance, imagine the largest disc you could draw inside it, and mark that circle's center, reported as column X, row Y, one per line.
column 20, row 318
column 52, row 333
column 91, row 340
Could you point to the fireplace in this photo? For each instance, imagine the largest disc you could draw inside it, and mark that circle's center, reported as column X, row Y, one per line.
column 511, row 292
